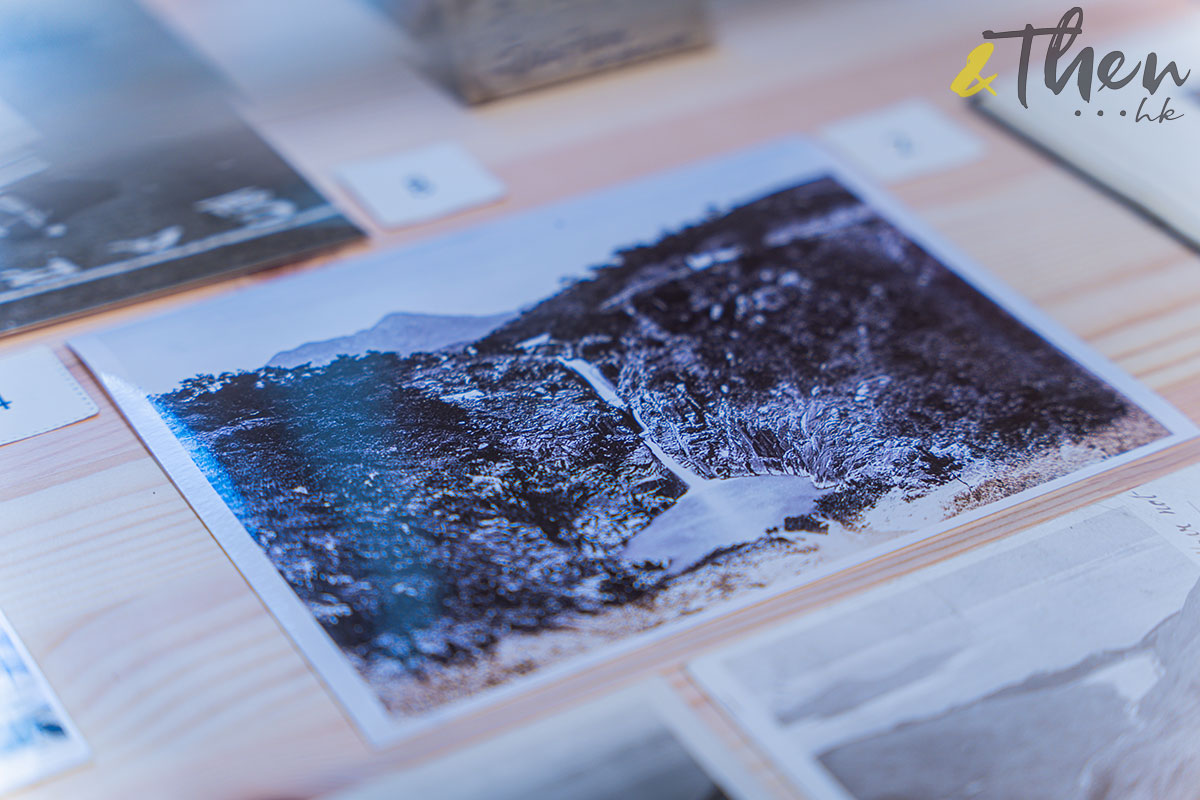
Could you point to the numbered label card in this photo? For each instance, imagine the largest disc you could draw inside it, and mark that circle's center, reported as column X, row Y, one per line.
column 903, row 141
column 420, row 185
column 37, row 394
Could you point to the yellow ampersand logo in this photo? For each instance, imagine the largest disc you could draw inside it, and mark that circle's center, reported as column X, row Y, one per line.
column 976, row 61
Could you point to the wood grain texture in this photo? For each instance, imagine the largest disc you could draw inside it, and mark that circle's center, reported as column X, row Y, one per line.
column 184, row 684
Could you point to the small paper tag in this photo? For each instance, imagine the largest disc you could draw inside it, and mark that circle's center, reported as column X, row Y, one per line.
column 903, row 141
column 420, row 185
column 37, row 394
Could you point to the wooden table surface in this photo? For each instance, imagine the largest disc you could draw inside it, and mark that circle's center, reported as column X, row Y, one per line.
column 181, row 680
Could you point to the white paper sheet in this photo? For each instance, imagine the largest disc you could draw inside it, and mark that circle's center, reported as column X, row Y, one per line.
column 1116, row 138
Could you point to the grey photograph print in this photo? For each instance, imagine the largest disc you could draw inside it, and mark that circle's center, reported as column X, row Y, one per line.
column 1057, row 665
column 639, row 743
column 490, row 454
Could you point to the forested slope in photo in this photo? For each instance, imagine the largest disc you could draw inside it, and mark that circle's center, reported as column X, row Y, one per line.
column 425, row 502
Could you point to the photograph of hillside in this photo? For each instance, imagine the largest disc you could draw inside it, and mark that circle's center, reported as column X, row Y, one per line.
column 461, row 500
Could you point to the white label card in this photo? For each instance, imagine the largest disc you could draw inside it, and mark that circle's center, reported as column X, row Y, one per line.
column 420, row 185
column 903, row 141
column 37, row 395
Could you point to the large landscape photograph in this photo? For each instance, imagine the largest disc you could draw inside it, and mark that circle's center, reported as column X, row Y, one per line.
column 1058, row 665
column 756, row 394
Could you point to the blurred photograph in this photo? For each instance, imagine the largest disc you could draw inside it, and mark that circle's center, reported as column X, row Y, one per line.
column 640, row 743
column 606, row 417
column 36, row 738
column 124, row 171
column 1059, row 664
column 1106, row 137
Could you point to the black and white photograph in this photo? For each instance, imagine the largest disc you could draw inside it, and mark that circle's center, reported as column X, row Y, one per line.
column 1057, row 664
column 607, row 418
column 639, row 743
column 120, row 176
column 36, row 737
